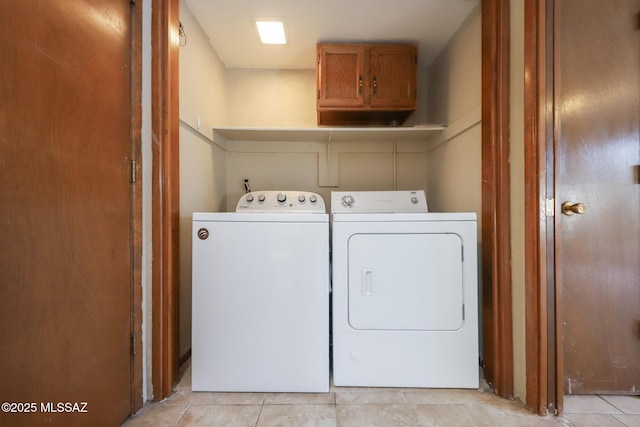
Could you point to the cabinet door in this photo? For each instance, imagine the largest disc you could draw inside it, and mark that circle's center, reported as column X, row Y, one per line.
column 341, row 76
column 393, row 76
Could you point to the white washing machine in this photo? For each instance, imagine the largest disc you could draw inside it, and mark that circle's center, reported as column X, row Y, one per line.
column 261, row 295
column 405, row 305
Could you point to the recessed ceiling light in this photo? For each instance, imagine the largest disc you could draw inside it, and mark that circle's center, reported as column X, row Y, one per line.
column 271, row 30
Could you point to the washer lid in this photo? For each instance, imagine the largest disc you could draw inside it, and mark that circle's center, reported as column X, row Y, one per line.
column 274, row 202
column 378, row 201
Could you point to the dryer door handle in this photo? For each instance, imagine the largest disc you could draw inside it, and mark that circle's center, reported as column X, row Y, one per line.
column 367, row 282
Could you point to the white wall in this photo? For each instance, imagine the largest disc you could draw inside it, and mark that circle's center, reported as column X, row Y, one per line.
column 202, row 163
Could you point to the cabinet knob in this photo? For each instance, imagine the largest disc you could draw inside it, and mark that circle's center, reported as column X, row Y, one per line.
column 361, row 85
column 375, row 85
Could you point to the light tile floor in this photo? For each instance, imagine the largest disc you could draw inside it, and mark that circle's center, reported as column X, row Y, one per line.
column 373, row 407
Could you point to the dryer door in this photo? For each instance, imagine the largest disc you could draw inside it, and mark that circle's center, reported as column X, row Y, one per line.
column 405, row 281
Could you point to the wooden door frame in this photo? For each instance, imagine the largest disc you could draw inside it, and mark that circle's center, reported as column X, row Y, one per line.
column 135, row 107
column 545, row 393
column 496, row 221
column 496, row 200
column 165, row 274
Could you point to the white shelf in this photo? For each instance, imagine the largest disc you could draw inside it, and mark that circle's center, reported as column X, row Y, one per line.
column 329, row 134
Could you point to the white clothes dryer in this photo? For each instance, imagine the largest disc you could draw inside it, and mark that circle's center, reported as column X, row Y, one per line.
column 405, row 305
column 261, row 295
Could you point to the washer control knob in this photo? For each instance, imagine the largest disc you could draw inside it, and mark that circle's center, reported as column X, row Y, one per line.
column 261, row 198
column 414, row 200
column 313, row 198
column 348, row 201
column 281, row 197
column 301, row 198
column 249, row 198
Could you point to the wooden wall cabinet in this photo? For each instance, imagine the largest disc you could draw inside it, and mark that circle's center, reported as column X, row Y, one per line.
column 365, row 84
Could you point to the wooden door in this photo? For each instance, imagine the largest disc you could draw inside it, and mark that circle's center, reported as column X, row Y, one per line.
column 65, row 257
column 341, row 76
column 393, row 76
column 598, row 164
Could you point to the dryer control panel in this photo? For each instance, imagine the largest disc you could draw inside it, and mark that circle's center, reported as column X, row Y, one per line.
column 281, row 202
column 378, row 202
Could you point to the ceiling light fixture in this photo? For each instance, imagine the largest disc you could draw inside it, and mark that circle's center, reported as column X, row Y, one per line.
column 271, row 30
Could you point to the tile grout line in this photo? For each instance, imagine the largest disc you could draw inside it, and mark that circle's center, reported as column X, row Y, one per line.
column 187, row 406
column 622, row 412
column 181, row 416
column 264, row 397
column 408, row 406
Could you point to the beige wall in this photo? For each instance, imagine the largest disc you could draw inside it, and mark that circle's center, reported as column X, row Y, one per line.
column 517, row 196
column 271, row 98
column 380, row 165
column 455, row 98
column 286, row 98
column 202, row 163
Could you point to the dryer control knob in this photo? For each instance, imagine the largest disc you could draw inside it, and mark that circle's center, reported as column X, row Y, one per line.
column 301, row 198
column 348, row 201
column 261, row 198
column 414, row 200
column 313, row 199
column 281, row 197
column 249, row 198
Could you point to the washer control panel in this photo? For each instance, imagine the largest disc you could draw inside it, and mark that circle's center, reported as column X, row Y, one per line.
column 378, row 202
column 281, row 202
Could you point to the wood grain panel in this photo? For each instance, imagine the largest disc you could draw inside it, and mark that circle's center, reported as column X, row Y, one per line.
column 165, row 197
column 597, row 84
column 66, row 255
column 392, row 77
column 341, row 70
column 496, row 250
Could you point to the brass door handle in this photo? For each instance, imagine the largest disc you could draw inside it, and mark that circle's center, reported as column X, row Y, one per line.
column 570, row 208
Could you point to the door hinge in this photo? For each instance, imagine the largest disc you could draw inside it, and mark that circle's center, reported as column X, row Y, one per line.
column 318, row 94
column 134, row 344
column 550, row 207
column 132, row 172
